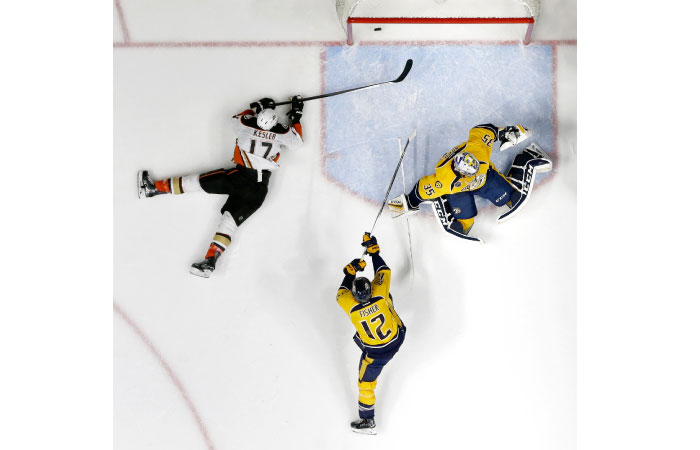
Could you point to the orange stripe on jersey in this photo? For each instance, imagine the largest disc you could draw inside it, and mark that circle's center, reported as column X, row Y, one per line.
column 237, row 157
column 276, row 158
column 211, row 173
column 248, row 112
column 297, row 127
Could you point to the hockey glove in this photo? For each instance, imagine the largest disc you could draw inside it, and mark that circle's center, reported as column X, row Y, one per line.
column 509, row 133
column 296, row 112
column 512, row 135
column 263, row 103
column 370, row 243
column 297, row 103
column 354, row 266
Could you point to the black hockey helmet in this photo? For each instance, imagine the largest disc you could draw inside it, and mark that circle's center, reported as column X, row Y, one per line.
column 361, row 289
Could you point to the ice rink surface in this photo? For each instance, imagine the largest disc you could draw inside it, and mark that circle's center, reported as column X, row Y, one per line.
column 260, row 356
column 451, row 89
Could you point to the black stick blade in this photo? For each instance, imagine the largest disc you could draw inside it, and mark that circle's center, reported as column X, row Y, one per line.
column 406, row 69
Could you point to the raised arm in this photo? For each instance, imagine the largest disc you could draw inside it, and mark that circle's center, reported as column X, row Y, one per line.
column 350, row 270
column 382, row 273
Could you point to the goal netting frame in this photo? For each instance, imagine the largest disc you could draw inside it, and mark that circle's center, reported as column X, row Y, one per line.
column 464, row 12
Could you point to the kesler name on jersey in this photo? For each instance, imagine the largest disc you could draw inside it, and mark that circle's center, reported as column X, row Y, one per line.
column 264, row 134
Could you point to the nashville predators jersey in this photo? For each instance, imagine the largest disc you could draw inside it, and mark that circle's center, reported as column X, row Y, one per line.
column 260, row 149
column 446, row 180
column 376, row 322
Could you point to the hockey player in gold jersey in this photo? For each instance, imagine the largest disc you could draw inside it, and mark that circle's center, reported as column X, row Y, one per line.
column 466, row 170
column 379, row 330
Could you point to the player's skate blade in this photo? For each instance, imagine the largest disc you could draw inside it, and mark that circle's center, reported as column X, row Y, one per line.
column 364, row 426
column 147, row 187
column 139, row 183
column 204, row 268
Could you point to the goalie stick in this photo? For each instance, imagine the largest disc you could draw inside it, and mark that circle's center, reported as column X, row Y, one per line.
column 406, row 69
column 408, row 224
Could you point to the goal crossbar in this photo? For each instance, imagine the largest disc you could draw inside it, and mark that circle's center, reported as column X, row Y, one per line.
column 530, row 21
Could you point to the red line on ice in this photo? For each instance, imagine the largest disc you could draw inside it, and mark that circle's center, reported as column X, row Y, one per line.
column 207, row 44
column 122, row 21
column 176, row 381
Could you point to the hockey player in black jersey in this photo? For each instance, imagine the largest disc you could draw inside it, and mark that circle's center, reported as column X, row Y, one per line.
column 260, row 139
column 379, row 330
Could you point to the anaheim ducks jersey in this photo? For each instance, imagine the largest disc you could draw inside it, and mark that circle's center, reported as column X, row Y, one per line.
column 376, row 322
column 446, row 180
column 260, row 149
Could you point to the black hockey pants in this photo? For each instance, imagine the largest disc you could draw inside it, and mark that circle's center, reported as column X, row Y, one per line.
column 245, row 192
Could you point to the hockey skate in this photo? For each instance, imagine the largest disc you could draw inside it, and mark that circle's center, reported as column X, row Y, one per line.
column 522, row 176
column 399, row 206
column 147, row 188
column 364, row 426
column 443, row 213
column 204, row 268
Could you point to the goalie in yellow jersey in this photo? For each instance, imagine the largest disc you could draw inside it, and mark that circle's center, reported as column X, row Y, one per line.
column 380, row 331
column 466, row 171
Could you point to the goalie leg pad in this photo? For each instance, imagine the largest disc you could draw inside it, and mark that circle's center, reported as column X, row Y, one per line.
column 444, row 215
column 522, row 177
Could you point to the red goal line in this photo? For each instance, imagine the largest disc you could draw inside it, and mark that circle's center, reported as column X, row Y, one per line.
column 445, row 20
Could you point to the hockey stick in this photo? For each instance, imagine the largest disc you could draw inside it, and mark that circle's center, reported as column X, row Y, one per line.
column 401, row 77
column 391, row 183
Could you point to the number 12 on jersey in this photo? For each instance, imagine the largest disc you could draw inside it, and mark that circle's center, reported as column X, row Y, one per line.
column 378, row 329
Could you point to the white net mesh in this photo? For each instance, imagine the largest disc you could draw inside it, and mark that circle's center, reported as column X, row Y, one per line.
column 436, row 8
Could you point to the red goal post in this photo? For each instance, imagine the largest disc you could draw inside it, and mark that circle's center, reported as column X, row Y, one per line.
column 440, row 12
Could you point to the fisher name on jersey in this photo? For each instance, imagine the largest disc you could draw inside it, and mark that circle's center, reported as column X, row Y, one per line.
column 260, row 149
column 376, row 323
column 446, row 180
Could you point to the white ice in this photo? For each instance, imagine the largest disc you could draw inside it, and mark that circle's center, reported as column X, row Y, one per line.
column 260, row 356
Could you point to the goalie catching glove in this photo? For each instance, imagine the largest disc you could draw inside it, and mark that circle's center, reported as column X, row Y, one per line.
column 370, row 243
column 512, row 135
column 354, row 266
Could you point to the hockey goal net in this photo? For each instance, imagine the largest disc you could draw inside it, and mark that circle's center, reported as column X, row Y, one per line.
column 438, row 19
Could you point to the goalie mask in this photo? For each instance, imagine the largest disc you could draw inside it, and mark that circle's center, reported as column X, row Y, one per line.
column 267, row 119
column 361, row 289
column 466, row 164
